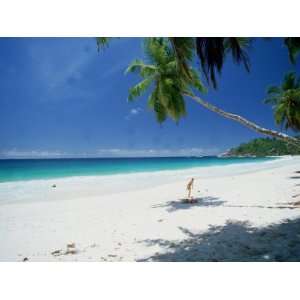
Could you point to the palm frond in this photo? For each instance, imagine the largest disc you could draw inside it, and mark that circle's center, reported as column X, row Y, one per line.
column 273, row 90
column 293, row 45
column 155, row 104
column 212, row 53
column 289, row 81
column 196, row 82
column 280, row 115
column 140, row 67
column 184, row 48
column 102, row 42
column 139, row 88
column 237, row 47
column 286, row 102
column 164, row 77
column 271, row 100
column 157, row 50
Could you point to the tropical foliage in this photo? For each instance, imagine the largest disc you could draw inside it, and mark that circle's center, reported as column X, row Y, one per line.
column 264, row 147
column 102, row 42
column 168, row 74
column 293, row 45
column 285, row 100
column 168, row 80
column 213, row 51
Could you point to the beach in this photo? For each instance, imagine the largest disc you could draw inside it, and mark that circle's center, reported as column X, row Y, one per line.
column 244, row 213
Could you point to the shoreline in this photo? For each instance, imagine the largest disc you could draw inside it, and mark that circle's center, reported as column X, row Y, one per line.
column 144, row 221
column 189, row 170
column 73, row 187
column 137, row 172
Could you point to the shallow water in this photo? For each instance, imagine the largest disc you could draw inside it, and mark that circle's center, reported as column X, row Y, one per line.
column 31, row 169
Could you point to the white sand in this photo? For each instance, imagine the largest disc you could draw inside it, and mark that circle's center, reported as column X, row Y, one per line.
column 240, row 216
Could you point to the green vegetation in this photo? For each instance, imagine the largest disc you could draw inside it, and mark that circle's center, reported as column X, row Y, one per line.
column 264, row 147
column 285, row 100
column 168, row 84
column 213, row 51
column 169, row 75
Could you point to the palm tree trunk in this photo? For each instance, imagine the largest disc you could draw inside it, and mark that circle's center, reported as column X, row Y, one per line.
column 245, row 122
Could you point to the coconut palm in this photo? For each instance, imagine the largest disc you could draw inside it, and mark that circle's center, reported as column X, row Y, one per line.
column 213, row 51
column 169, row 81
column 293, row 45
column 285, row 100
column 102, row 42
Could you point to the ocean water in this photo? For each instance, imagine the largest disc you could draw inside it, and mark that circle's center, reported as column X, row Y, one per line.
column 32, row 169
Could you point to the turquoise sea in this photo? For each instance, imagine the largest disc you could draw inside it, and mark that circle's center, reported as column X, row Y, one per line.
column 29, row 169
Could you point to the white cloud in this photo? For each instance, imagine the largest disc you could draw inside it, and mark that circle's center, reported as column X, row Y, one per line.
column 157, row 152
column 14, row 153
column 133, row 112
column 112, row 152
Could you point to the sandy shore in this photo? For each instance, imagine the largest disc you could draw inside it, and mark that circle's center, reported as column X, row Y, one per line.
column 243, row 214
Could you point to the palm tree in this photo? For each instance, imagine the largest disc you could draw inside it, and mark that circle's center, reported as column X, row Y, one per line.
column 293, row 45
column 212, row 52
column 102, row 42
column 285, row 100
column 171, row 79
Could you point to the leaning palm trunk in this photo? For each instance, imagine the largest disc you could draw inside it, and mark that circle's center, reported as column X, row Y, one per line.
column 245, row 122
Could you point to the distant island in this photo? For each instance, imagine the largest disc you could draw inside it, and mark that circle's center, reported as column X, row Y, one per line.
column 263, row 147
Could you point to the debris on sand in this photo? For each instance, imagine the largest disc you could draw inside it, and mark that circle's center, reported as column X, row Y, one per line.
column 297, row 203
column 25, row 259
column 71, row 245
column 54, row 185
column 57, row 252
column 71, row 249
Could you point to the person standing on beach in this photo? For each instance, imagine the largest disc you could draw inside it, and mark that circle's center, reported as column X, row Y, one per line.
column 189, row 187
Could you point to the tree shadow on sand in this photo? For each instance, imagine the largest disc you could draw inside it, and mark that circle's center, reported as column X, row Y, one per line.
column 235, row 241
column 281, row 206
column 182, row 204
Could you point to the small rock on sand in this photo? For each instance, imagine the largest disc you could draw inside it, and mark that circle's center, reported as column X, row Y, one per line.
column 56, row 252
column 112, row 255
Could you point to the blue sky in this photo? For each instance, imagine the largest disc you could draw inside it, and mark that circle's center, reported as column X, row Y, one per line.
column 60, row 97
